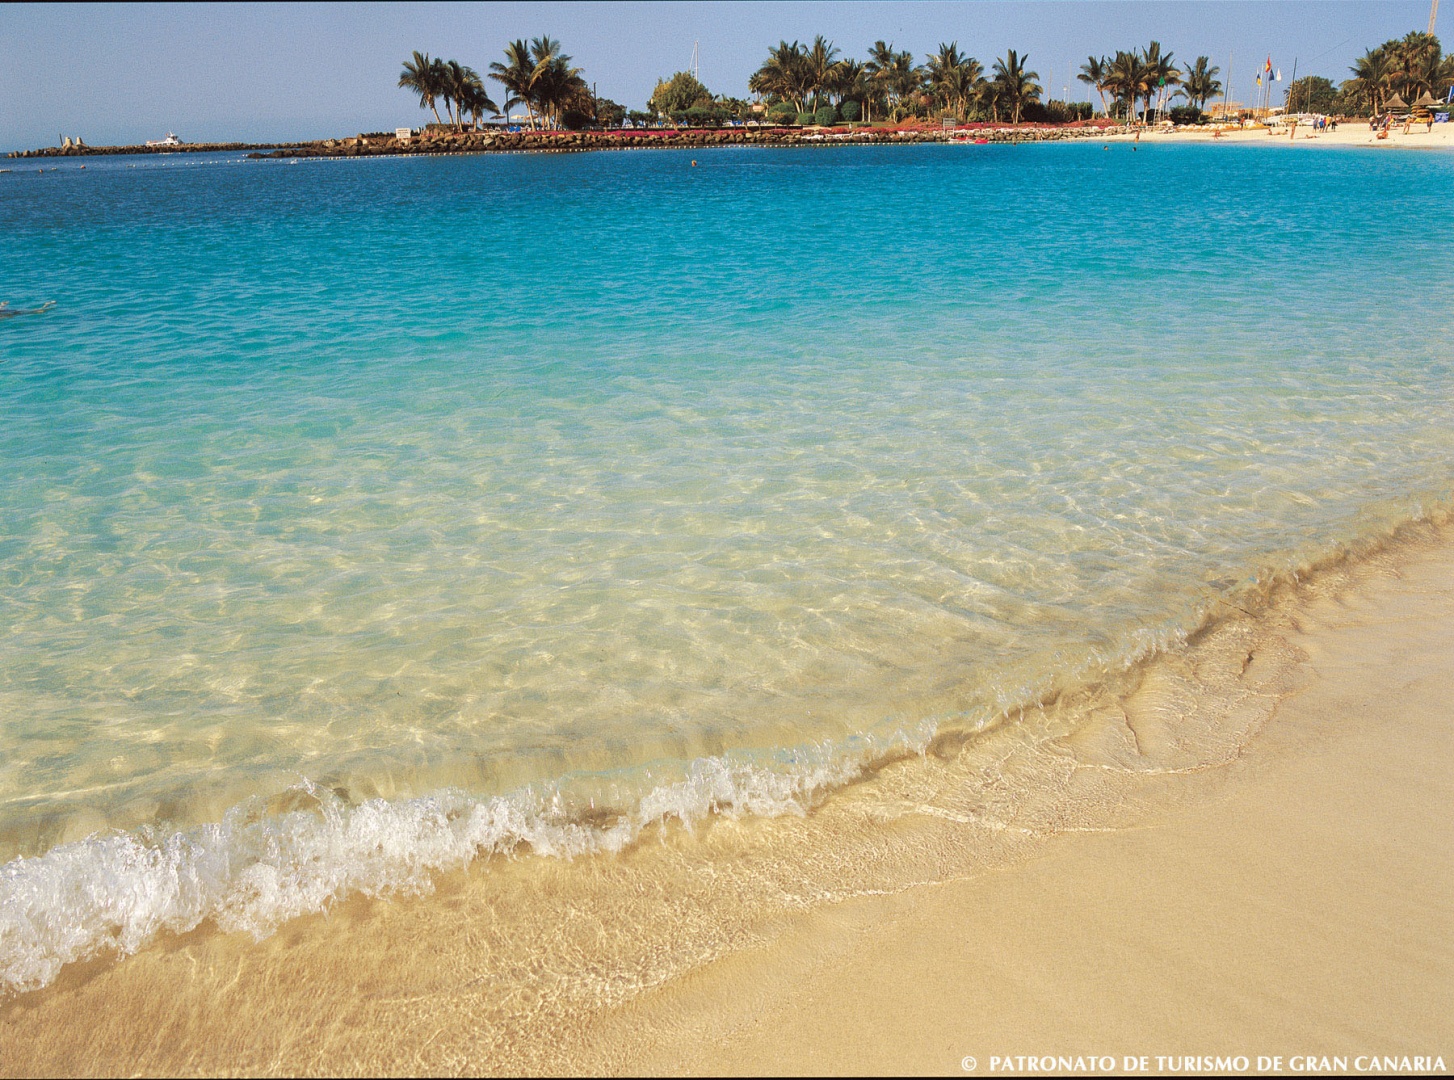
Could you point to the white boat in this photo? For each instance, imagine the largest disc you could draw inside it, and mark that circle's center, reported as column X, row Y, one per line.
column 170, row 140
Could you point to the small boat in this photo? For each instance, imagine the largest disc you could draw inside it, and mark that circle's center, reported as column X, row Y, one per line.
column 170, row 140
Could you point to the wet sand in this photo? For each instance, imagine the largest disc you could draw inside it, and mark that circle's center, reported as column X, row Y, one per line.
column 1243, row 851
column 1303, row 910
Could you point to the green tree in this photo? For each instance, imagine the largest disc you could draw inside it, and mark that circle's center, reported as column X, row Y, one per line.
column 1015, row 84
column 877, row 71
column 1199, row 82
column 783, row 113
column 784, row 76
column 424, row 77
column 1416, row 58
column 954, row 78
column 609, row 114
column 820, row 61
column 678, row 94
column 555, row 86
column 1370, row 85
column 1093, row 73
column 1162, row 74
column 476, row 101
column 1127, row 78
column 849, row 82
column 462, row 88
column 1312, row 93
column 517, row 76
column 896, row 75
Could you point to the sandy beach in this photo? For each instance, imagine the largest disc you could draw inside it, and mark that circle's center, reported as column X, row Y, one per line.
column 1304, row 910
column 1351, row 133
column 1278, row 885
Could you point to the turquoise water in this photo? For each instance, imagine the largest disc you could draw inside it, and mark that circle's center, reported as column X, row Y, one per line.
column 360, row 516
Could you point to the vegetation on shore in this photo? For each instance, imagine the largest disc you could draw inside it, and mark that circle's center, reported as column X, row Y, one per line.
column 1409, row 67
column 537, row 75
column 802, row 84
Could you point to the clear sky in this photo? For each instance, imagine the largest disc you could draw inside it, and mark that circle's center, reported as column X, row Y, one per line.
column 124, row 73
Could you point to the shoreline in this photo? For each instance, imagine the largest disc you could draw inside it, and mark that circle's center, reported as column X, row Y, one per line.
column 1300, row 912
column 548, row 965
column 1352, row 133
column 384, row 144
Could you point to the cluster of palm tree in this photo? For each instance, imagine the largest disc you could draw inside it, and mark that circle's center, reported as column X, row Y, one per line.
column 1410, row 67
column 540, row 77
column 1146, row 75
column 800, row 78
column 537, row 75
column 458, row 86
column 890, row 84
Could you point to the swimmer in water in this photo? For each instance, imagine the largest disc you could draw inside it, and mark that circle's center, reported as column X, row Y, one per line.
column 6, row 313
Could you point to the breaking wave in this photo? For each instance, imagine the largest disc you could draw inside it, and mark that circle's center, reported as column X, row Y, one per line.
column 110, row 895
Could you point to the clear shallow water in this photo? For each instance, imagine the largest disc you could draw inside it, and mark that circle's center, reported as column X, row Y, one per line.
column 536, row 497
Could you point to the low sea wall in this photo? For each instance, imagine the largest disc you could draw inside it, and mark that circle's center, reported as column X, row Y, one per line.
column 498, row 141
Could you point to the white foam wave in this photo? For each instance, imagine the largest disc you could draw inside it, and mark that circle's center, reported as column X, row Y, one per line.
column 112, row 894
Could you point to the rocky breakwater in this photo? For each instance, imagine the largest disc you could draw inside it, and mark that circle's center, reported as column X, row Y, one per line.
column 82, row 150
column 476, row 142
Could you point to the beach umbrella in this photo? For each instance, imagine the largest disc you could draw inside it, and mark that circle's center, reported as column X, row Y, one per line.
column 1426, row 101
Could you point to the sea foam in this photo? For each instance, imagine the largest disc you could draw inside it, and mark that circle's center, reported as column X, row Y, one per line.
column 110, row 895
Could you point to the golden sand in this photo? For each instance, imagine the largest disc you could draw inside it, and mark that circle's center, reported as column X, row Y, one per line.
column 1305, row 909
column 1353, row 133
column 1243, row 849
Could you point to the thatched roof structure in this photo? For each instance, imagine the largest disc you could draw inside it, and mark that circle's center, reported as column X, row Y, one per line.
column 1396, row 102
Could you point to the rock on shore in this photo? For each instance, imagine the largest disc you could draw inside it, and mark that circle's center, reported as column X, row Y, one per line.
column 566, row 141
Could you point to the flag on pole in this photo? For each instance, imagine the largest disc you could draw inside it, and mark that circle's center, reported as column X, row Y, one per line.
column 1259, row 78
column 1269, row 63
column 1278, row 76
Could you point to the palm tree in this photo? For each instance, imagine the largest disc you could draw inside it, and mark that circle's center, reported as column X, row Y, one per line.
column 908, row 82
column 422, row 76
column 848, row 81
column 1093, row 73
column 784, row 75
column 954, row 78
column 454, row 88
column 890, row 70
column 963, row 84
column 555, row 86
column 820, row 62
column 1200, row 82
column 1017, row 86
column 1126, row 78
column 472, row 98
column 1370, row 80
column 1160, row 72
column 517, row 76
column 1415, row 60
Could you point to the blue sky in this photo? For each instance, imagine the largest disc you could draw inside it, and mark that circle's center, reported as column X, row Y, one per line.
column 123, row 73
